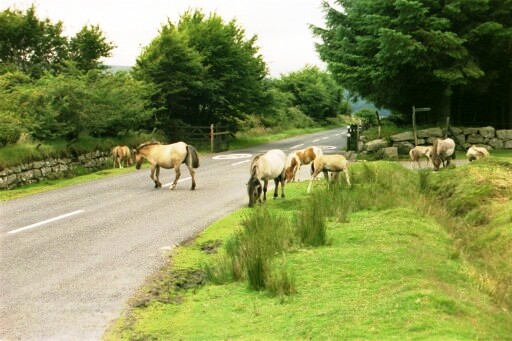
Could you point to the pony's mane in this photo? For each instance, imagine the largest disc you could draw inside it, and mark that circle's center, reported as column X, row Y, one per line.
column 145, row 144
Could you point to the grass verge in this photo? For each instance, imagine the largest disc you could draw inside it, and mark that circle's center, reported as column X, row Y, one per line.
column 393, row 267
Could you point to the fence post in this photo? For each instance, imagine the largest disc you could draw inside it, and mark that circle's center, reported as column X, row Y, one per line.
column 212, row 136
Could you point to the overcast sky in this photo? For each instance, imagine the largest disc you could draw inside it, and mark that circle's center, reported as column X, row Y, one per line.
column 284, row 38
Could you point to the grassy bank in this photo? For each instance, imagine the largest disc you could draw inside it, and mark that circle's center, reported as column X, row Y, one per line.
column 395, row 264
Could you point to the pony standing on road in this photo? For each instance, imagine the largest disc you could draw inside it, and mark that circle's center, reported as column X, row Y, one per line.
column 417, row 152
column 121, row 156
column 270, row 165
column 475, row 153
column 442, row 152
column 326, row 164
column 299, row 158
column 167, row 156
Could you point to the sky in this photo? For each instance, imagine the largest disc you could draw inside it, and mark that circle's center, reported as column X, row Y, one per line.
column 285, row 40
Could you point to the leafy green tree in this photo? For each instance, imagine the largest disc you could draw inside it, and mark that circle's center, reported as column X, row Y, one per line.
column 36, row 46
column 205, row 72
column 416, row 52
column 314, row 92
column 29, row 44
column 88, row 46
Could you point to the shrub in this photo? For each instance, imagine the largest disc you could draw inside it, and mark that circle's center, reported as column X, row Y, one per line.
column 10, row 129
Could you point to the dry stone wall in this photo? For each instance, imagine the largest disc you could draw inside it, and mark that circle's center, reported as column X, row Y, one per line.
column 486, row 137
column 52, row 168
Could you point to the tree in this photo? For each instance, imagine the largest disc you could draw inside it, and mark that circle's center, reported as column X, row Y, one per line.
column 314, row 92
column 87, row 47
column 205, row 71
column 29, row 44
column 36, row 46
column 414, row 52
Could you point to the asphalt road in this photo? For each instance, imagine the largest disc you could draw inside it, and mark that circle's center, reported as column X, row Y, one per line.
column 71, row 258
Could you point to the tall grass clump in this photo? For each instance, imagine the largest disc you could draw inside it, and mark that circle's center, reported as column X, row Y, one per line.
column 251, row 252
column 310, row 222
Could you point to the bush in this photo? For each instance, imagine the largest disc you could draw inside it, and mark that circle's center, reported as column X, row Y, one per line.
column 10, row 129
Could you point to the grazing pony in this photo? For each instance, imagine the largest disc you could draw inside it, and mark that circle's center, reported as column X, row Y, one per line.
column 122, row 156
column 417, row 152
column 326, row 164
column 299, row 158
column 475, row 153
column 442, row 152
column 270, row 165
column 167, row 156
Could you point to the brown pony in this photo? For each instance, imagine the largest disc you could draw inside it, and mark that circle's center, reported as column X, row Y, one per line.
column 167, row 156
column 298, row 158
column 121, row 155
column 326, row 164
column 475, row 153
column 442, row 152
column 417, row 152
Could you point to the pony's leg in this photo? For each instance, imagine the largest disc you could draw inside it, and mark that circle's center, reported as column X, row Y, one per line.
column 283, row 181
column 192, row 174
column 178, row 174
column 152, row 175
column 313, row 176
column 265, row 190
column 296, row 173
column 347, row 176
column 276, row 187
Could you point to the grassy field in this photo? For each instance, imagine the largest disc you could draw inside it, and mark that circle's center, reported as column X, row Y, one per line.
column 396, row 263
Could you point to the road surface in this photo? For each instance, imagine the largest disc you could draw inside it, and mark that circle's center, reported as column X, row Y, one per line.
column 71, row 258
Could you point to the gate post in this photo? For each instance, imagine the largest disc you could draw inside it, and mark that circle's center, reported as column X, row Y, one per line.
column 212, row 137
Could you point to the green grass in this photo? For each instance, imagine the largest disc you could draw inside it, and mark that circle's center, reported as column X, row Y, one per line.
column 393, row 268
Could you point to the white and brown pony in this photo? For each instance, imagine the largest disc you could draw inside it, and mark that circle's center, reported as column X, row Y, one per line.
column 475, row 153
column 121, row 156
column 329, row 163
column 442, row 152
column 417, row 153
column 298, row 158
column 265, row 167
column 167, row 156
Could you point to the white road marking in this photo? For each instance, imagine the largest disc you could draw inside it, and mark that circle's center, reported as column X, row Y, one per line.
column 231, row 156
column 316, row 140
column 297, row 146
column 337, row 135
column 325, row 138
column 180, row 180
column 237, row 163
column 45, row 222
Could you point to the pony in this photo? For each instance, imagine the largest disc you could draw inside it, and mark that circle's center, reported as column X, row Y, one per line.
column 121, row 155
column 442, row 151
column 271, row 165
column 167, row 156
column 475, row 153
column 417, row 152
column 299, row 158
column 329, row 163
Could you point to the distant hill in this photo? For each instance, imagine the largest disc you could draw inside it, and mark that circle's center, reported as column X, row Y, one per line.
column 117, row 68
column 362, row 103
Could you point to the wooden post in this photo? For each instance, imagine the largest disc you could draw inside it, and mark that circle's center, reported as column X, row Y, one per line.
column 414, row 125
column 212, row 137
column 447, row 127
column 378, row 121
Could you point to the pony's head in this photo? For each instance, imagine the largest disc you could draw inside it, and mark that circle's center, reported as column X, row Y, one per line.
column 138, row 158
column 254, row 190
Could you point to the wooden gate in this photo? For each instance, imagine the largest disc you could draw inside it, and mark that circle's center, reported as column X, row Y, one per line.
column 214, row 137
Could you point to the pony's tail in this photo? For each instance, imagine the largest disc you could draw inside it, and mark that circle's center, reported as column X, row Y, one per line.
column 192, row 159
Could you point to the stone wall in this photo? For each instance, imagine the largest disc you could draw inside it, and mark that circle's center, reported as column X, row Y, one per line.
column 51, row 169
column 486, row 137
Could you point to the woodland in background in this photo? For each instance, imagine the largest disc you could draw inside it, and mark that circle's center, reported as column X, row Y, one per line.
column 454, row 56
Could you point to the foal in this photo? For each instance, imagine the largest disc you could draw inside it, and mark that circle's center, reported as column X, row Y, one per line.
column 122, row 156
column 326, row 164
column 417, row 152
column 298, row 158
